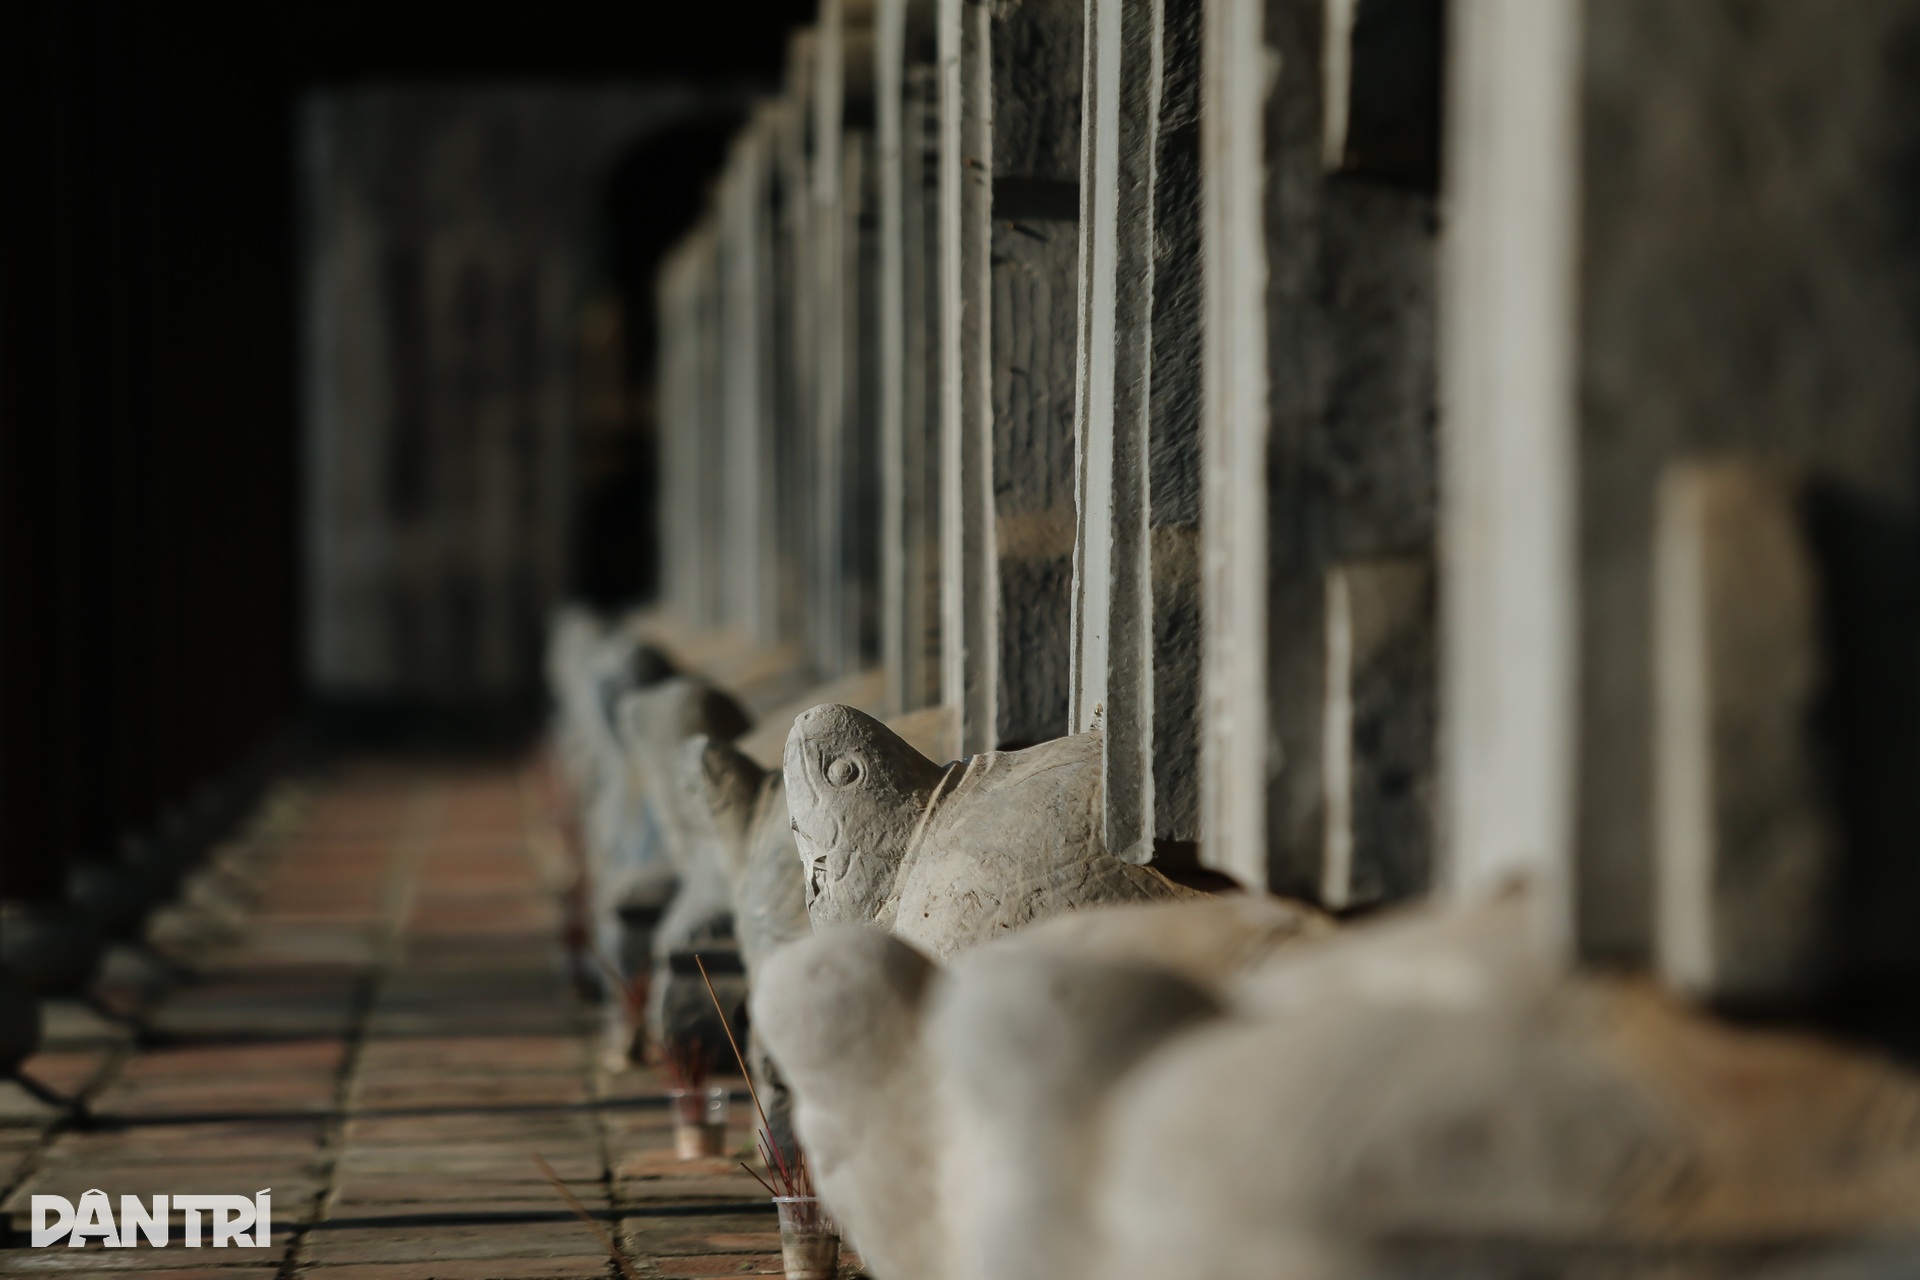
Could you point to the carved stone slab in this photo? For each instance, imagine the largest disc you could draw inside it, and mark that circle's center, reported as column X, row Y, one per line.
column 950, row 857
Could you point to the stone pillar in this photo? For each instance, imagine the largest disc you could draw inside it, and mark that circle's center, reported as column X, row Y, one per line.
column 672, row 390
column 750, row 482
column 794, row 371
column 1319, row 416
column 1508, row 570
column 1009, row 204
column 1137, row 420
column 907, row 122
column 692, row 428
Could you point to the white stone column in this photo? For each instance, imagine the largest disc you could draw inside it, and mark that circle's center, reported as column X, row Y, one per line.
column 747, row 385
column 1508, row 581
column 1236, row 754
column 907, row 127
column 708, row 423
column 679, row 412
column 1136, row 597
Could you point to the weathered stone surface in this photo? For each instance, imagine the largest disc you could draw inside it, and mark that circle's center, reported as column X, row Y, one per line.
column 1137, row 420
column 1170, row 1090
column 953, row 1115
column 1033, row 1033
column 699, row 920
column 591, row 666
column 745, row 807
column 1432, row 1086
column 653, row 723
column 745, row 198
column 1743, row 284
column 907, row 134
column 1509, row 663
column 743, row 810
column 841, row 1012
column 1029, row 1041
column 1378, row 731
column 949, row 857
column 1207, row 941
column 738, row 810
column 1745, row 855
column 1318, row 423
column 841, row 294
column 1009, row 248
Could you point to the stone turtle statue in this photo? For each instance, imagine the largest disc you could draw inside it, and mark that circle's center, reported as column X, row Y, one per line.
column 739, row 810
column 841, row 1012
column 738, row 807
column 698, row 920
column 1433, row 1093
column 953, row 1114
column 950, row 856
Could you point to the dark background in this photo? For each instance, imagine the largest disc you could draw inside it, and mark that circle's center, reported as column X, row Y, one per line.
column 149, row 435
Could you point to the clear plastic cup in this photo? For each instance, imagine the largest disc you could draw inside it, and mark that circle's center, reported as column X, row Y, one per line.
column 700, row 1122
column 809, row 1241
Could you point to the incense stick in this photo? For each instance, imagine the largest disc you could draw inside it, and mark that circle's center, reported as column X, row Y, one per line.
column 796, row 1177
column 738, row 1057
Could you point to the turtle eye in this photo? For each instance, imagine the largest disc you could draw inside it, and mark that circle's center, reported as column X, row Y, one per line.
column 843, row 771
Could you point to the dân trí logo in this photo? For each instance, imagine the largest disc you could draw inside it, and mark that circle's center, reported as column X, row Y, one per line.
column 237, row 1221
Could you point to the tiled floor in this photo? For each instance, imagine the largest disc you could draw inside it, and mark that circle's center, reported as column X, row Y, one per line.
column 381, row 1031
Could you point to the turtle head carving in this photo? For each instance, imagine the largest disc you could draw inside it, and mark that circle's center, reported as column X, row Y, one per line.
column 722, row 787
column 856, row 792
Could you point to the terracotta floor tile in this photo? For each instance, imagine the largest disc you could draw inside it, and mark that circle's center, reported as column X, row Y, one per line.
column 398, row 930
column 722, row 1264
column 580, row 1267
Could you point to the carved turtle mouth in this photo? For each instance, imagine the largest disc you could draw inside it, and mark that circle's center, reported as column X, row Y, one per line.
column 816, row 877
column 815, row 843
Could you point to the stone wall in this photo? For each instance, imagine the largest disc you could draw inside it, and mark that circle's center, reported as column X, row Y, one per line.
column 447, row 249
